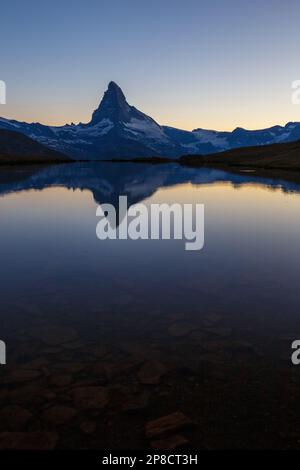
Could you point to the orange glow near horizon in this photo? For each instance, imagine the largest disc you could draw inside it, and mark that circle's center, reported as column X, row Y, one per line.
column 211, row 123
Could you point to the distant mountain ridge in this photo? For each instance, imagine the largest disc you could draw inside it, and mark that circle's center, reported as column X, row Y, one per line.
column 119, row 130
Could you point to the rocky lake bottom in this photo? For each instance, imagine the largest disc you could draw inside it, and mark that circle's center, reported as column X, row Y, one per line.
column 138, row 345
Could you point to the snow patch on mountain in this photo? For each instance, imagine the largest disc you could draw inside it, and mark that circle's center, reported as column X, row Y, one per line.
column 212, row 137
column 148, row 128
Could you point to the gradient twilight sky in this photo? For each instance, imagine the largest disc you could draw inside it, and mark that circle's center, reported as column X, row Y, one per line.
column 212, row 64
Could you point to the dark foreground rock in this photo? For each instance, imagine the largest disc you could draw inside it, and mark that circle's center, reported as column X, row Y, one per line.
column 151, row 372
column 167, row 424
column 14, row 418
column 88, row 427
column 28, row 440
column 58, row 415
column 19, row 376
column 170, row 443
column 91, row 398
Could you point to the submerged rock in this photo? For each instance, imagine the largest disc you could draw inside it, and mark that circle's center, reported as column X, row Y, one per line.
column 211, row 357
column 71, row 367
column 136, row 403
column 14, row 418
column 28, row 440
column 61, row 380
column 98, row 350
column 212, row 319
column 181, row 329
column 91, row 398
column 215, row 345
column 170, row 443
column 241, row 345
column 221, row 331
column 198, row 336
column 38, row 363
column 105, row 371
column 20, row 375
column 58, row 415
column 53, row 335
column 29, row 394
column 151, row 372
column 73, row 345
column 88, row 427
column 167, row 424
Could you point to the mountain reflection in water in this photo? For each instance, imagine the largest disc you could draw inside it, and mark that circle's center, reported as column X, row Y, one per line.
column 107, row 181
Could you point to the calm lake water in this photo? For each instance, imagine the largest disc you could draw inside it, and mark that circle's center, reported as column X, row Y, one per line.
column 105, row 336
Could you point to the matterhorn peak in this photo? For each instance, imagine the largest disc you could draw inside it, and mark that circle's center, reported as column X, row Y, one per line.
column 113, row 90
column 113, row 86
column 113, row 106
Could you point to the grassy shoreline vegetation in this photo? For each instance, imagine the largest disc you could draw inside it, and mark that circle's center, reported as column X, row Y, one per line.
column 18, row 149
column 266, row 157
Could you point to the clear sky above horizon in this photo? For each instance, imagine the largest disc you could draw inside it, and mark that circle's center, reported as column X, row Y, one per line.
column 212, row 64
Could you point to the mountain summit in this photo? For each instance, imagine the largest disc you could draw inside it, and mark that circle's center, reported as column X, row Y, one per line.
column 113, row 106
column 126, row 131
column 119, row 130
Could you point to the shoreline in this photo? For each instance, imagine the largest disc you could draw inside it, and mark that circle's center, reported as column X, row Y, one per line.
column 291, row 174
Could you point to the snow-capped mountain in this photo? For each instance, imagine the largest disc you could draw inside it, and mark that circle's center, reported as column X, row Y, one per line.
column 119, row 130
column 115, row 130
column 203, row 141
